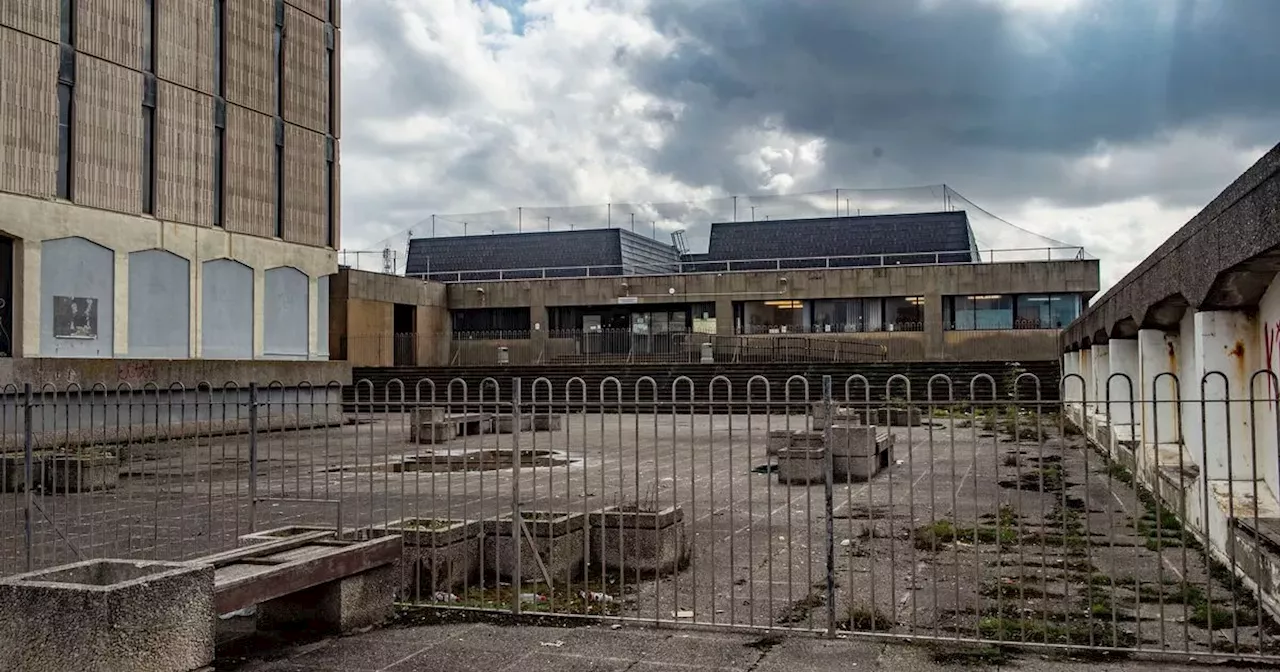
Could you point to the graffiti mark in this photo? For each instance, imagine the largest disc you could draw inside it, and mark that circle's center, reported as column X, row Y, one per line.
column 1271, row 341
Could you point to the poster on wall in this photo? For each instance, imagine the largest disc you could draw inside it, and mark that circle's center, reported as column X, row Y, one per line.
column 75, row 317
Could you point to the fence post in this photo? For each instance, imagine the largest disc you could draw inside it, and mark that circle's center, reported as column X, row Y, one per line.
column 253, row 456
column 28, row 468
column 517, row 520
column 828, row 504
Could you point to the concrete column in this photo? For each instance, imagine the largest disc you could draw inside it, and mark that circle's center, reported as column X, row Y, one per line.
column 1158, row 391
column 1225, row 358
column 1086, row 372
column 538, row 326
column 1122, row 388
column 1072, row 390
column 935, row 344
column 724, row 316
column 1101, row 359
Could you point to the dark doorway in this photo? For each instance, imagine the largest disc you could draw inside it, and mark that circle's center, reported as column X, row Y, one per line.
column 6, row 297
column 405, row 325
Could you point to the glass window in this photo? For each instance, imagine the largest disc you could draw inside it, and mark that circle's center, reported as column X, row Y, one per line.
column 1033, row 312
column 1046, row 311
column 480, row 323
column 904, row 313
column 149, row 160
column 1063, row 309
column 64, row 140
column 981, row 312
column 836, row 316
column 219, row 174
column 773, row 317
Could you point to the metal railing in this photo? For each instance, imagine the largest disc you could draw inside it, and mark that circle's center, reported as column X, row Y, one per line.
column 988, row 520
column 951, row 257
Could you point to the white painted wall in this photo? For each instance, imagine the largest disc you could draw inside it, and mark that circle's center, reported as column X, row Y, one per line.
column 227, row 322
column 159, row 293
column 75, row 268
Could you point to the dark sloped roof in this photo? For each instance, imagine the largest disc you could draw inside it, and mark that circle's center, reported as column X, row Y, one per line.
column 535, row 249
column 912, row 234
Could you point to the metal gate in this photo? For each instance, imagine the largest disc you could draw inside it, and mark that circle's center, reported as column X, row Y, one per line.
column 969, row 511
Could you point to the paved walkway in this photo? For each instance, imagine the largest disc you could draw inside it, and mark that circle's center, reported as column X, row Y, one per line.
column 602, row 648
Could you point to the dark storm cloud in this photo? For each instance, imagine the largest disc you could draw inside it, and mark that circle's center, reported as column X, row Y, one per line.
column 951, row 90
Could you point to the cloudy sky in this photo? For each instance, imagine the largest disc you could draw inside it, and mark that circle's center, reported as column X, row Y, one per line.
column 1102, row 123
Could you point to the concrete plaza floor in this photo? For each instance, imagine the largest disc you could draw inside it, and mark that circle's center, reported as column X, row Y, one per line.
column 490, row 648
column 983, row 526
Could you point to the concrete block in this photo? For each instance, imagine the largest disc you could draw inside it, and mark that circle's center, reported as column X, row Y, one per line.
column 428, row 425
column 89, row 471
column 546, row 423
column 852, row 440
column 433, row 433
column 141, row 616
column 505, row 423
column 352, row 603
column 559, row 537
column 278, row 533
column 645, row 542
column 802, row 465
column 779, row 439
column 440, row 555
column 803, row 439
column 13, row 474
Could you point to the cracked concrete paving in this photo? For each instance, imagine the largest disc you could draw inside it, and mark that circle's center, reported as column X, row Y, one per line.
column 602, row 648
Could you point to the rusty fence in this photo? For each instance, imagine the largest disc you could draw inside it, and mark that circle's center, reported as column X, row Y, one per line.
column 1143, row 522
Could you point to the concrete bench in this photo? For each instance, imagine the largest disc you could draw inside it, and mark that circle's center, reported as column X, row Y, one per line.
column 312, row 578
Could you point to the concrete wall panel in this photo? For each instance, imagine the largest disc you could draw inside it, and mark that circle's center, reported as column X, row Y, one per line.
column 79, row 272
column 322, row 316
column 250, row 67
column 108, row 144
column 28, row 109
column 372, row 344
column 37, row 17
column 34, row 219
column 250, row 166
column 316, row 8
column 286, row 315
column 111, row 30
column 227, row 319
column 184, row 156
column 185, row 44
column 305, row 192
column 336, row 83
column 159, row 293
column 306, row 89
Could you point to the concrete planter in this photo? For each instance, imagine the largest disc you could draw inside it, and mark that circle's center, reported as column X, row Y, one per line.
column 859, row 452
column 82, row 472
column 143, row 616
column 559, row 537
column 439, row 555
column 779, row 439
column 802, row 465
column 428, row 425
column 809, row 440
column 645, row 542
column 13, row 475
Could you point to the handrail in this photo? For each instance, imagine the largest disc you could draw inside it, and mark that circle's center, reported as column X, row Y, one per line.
column 941, row 258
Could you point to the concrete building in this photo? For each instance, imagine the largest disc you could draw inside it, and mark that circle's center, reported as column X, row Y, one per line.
column 168, row 178
column 1174, row 371
column 915, row 284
